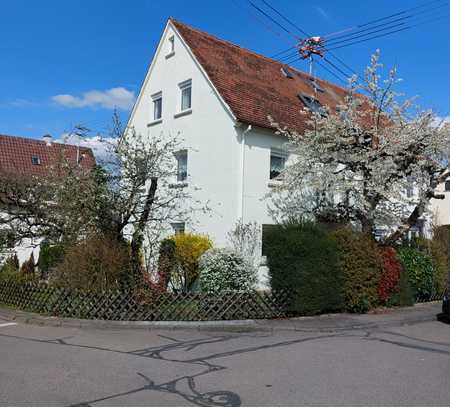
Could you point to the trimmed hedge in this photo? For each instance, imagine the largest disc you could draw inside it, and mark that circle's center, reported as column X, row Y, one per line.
column 303, row 259
column 361, row 269
column 420, row 271
column 388, row 285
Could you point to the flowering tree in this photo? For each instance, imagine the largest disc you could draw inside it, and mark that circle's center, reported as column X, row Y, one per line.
column 356, row 162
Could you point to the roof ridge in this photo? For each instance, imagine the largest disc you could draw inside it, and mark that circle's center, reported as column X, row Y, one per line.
column 42, row 142
column 299, row 71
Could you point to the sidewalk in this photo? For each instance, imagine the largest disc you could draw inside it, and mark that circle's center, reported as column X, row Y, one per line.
column 322, row 323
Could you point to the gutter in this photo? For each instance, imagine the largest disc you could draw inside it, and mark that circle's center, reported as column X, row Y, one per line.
column 242, row 175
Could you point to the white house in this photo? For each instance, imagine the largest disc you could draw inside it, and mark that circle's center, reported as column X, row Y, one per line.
column 217, row 96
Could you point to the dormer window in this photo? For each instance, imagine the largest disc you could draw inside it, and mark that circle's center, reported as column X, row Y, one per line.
column 286, row 72
column 35, row 160
column 316, row 85
column 312, row 104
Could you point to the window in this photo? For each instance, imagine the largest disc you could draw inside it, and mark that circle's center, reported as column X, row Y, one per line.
column 277, row 163
column 35, row 160
column 178, row 227
column 181, row 157
column 316, row 85
column 312, row 104
column 447, row 185
column 186, row 95
column 286, row 72
column 157, row 106
column 171, row 49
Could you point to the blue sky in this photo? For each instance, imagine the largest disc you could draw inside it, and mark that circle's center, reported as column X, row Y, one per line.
column 69, row 62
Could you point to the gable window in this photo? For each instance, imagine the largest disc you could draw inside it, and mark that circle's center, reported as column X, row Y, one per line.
column 186, row 95
column 447, row 185
column 312, row 104
column 157, row 106
column 181, row 157
column 171, row 49
column 35, row 160
column 178, row 227
column 278, row 160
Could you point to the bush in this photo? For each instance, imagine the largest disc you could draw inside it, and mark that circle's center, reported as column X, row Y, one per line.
column 95, row 264
column 404, row 297
column 361, row 269
column 304, row 260
column 28, row 266
column 49, row 257
column 390, row 274
column 226, row 270
column 188, row 249
column 442, row 238
column 10, row 271
column 420, row 270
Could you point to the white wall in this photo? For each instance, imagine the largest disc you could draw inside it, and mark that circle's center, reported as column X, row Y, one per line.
column 208, row 132
column 441, row 207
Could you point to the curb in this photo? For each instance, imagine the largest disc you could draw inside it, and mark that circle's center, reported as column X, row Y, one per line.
column 36, row 319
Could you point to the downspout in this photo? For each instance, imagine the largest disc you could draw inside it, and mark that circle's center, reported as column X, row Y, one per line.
column 242, row 170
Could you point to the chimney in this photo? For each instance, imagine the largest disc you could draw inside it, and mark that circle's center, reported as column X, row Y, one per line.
column 48, row 139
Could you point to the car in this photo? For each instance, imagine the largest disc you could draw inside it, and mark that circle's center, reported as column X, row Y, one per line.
column 446, row 305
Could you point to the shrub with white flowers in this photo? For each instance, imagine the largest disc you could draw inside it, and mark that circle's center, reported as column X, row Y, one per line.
column 226, row 270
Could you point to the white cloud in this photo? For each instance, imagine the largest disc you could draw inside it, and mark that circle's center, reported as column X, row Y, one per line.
column 322, row 12
column 103, row 149
column 114, row 98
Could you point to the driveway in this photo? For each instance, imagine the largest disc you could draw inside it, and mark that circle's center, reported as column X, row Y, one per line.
column 397, row 359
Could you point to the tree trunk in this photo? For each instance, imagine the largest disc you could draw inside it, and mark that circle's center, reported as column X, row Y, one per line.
column 137, row 240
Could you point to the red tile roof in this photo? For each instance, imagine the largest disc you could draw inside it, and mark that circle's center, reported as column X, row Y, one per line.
column 16, row 155
column 252, row 85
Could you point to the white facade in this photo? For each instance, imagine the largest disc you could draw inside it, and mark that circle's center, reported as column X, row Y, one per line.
column 228, row 161
column 441, row 207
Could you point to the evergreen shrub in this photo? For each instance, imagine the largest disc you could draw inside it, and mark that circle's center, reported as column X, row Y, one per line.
column 304, row 260
column 361, row 269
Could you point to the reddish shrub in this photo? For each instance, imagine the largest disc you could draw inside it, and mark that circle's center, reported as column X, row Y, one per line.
column 390, row 276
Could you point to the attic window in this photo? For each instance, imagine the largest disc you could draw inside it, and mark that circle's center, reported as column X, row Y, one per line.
column 286, row 72
column 316, row 85
column 170, row 47
column 312, row 104
column 35, row 160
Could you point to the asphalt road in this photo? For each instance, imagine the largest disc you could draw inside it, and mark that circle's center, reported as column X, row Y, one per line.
column 385, row 361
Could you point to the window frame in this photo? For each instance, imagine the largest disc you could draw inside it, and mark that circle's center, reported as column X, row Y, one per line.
column 283, row 155
column 157, row 98
column 447, row 183
column 36, row 160
column 312, row 104
column 178, row 227
column 180, row 177
column 185, row 85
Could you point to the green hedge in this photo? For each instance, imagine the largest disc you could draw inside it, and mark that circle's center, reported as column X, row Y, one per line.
column 302, row 258
column 420, row 270
column 361, row 269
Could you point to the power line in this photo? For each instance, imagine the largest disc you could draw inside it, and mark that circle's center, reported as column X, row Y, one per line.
column 369, row 31
column 400, row 13
column 285, row 18
column 271, row 18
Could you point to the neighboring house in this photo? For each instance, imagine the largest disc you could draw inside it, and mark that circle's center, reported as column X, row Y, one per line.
column 441, row 207
column 217, row 97
column 29, row 157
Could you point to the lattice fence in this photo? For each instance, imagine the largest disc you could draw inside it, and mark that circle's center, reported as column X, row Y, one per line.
column 123, row 306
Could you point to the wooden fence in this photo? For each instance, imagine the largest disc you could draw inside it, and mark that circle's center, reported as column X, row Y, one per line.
column 121, row 306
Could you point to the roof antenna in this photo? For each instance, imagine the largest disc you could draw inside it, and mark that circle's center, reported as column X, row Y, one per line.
column 311, row 46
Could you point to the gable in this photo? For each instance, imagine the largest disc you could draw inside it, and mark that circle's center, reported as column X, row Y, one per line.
column 253, row 86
